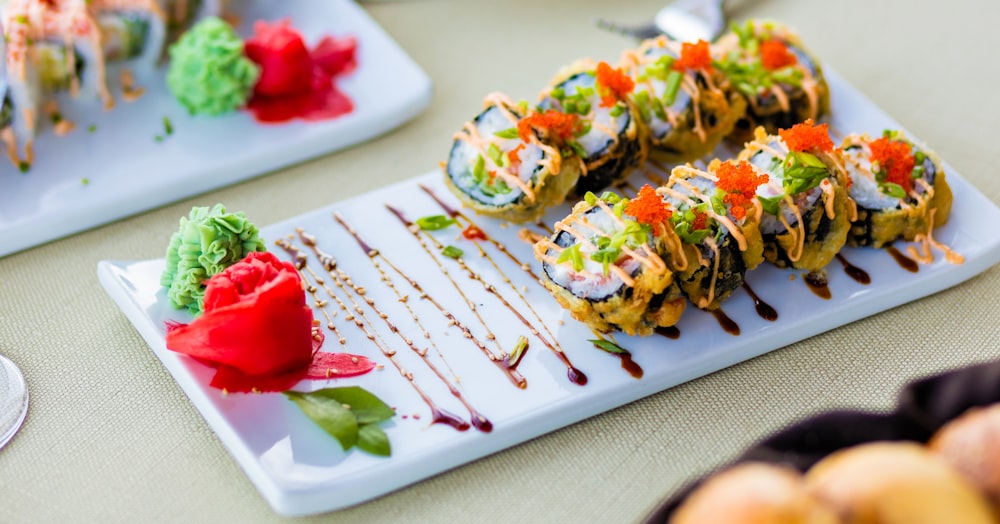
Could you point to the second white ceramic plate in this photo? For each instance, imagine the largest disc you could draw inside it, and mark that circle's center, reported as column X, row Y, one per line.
column 127, row 170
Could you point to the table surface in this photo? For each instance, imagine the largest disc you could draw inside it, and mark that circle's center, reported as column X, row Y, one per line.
column 110, row 436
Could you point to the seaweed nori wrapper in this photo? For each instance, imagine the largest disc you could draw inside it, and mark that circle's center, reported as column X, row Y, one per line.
column 923, row 407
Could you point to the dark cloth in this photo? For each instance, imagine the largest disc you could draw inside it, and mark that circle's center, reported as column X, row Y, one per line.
column 922, row 408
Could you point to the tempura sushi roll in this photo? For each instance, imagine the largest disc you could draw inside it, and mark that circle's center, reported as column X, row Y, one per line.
column 782, row 82
column 508, row 162
column 607, row 268
column 899, row 188
column 608, row 139
column 683, row 101
column 717, row 219
column 807, row 211
column 23, row 100
column 131, row 29
column 62, row 41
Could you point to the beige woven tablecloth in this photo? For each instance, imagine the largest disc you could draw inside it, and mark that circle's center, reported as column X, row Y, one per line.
column 111, row 438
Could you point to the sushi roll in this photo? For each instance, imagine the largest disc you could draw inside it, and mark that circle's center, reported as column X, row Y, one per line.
column 23, row 100
column 52, row 46
column 608, row 140
column 131, row 29
column 899, row 188
column 782, row 82
column 807, row 210
column 605, row 264
column 717, row 218
column 509, row 162
column 62, row 41
column 683, row 102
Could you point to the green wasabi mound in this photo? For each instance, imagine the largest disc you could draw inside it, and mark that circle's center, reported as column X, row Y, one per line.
column 208, row 241
column 208, row 73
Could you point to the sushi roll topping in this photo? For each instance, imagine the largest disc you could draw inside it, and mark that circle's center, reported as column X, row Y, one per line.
column 612, row 84
column 763, row 59
column 670, row 76
column 648, row 208
column 774, row 55
column 807, row 136
column 895, row 165
column 694, row 56
column 611, row 241
column 553, row 124
column 738, row 184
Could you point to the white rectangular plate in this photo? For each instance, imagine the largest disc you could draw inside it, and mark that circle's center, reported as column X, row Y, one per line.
column 129, row 171
column 301, row 470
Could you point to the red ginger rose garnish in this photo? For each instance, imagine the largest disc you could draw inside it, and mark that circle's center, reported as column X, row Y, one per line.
column 558, row 125
column 648, row 208
column 612, row 84
column 774, row 54
column 895, row 158
column 740, row 182
column 807, row 137
column 256, row 328
column 694, row 56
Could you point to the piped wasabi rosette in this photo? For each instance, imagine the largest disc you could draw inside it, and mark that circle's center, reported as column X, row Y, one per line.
column 207, row 242
column 899, row 188
column 512, row 162
column 251, row 319
column 782, row 82
column 807, row 208
column 273, row 74
column 607, row 263
column 209, row 73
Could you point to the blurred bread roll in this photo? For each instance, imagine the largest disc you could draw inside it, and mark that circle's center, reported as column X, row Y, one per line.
column 971, row 444
column 895, row 483
column 753, row 493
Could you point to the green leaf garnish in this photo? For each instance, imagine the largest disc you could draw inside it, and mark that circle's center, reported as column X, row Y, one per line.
column 607, row 345
column 495, row 154
column 435, row 222
column 372, row 439
column 506, row 133
column 893, row 190
column 771, row 204
column 348, row 414
column 452, row 252
column 673, row 86
column 802, row 172
column 590, row 198
column 518, row 352
column 573, row 255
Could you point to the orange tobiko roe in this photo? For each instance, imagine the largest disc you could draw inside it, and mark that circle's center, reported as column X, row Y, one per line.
column 613, row 84
column 807, row 137
column 559, row 125
column 694, row 56
column 740, row 182
column 895, row 157
column 648, row 208
column 700, row 220
column 774, row 54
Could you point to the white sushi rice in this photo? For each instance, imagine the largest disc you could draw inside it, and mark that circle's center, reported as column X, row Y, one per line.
column 864, row 188
column 464, row 156
column 597, row 140
column 770, row 224
column 592, row 283
column 661, row 128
